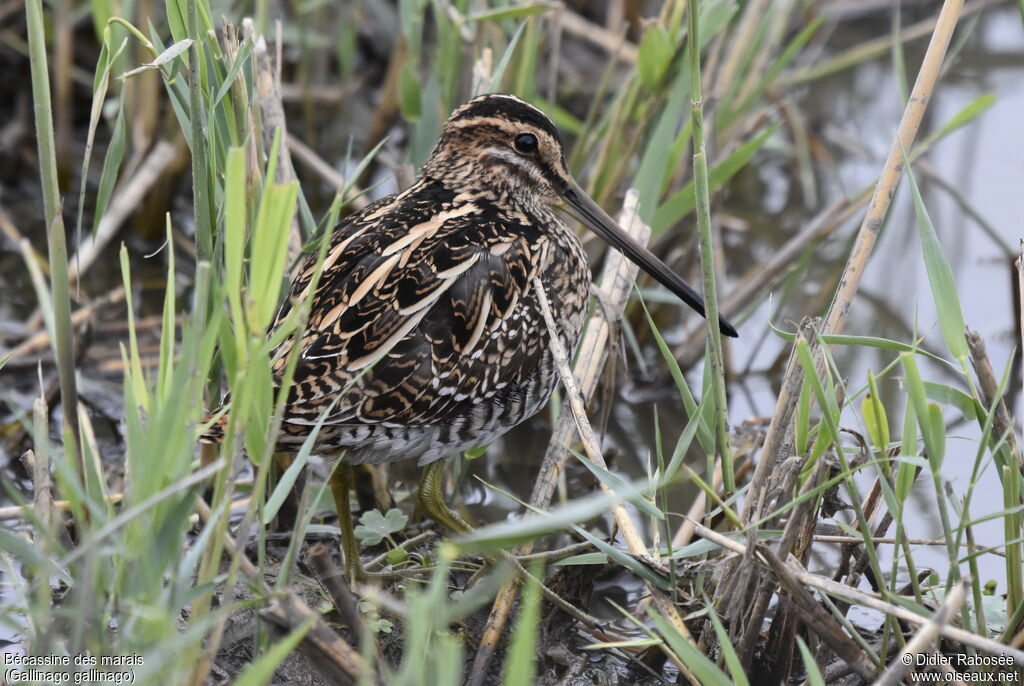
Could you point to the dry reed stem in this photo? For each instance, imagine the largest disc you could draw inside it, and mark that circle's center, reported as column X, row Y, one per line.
column 42, row 495
column 616, row 284
column 697, row 510
column 611, row 42
column 627, row 528
column 864, row 243
column 1003, row 427
column 482, row 68
column 332, row 656
column 333, row 579
column 869, row 600
column 759, row 63
column 877, row 47
column 893, row 170
column 812, row 614
column 925, row 637
column 771, row 452
column 1003, row 422
column 126, row 200
column 11, row 231
column 320, row 94
column 267, row 92
column 744, row 36
column 38, row 341
column 303, row 153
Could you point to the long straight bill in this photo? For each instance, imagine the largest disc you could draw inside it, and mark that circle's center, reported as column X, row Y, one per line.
column 590, row 214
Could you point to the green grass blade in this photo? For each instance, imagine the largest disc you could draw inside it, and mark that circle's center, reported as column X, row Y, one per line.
column 875, row 417
column 732, row 660
column 655, row 163
column 100, row 85
column 705, row 670
column 940, row 276
column 521, row 664
column 499, row 71
column 654, row 56
column 134, row 375
column 907, row 471
column 621, row 487
column 526, row 10
column 287, row 480
column 111, row 164
column 704, row 435
column 915, row 388
column 814, row 675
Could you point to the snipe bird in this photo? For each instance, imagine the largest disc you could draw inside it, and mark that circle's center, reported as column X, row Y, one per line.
column 425, row 332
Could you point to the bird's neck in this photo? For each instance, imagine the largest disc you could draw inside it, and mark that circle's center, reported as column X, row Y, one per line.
column 484, row 187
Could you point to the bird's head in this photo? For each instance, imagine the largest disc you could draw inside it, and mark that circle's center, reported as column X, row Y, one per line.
column 505, row 145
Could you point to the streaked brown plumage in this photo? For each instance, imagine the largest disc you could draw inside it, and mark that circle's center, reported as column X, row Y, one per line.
column 436, row 282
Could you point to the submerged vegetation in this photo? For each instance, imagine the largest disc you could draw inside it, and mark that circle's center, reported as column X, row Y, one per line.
column 221, row 142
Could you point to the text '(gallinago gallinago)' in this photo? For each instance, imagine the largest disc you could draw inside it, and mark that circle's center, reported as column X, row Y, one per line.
column 425, row 336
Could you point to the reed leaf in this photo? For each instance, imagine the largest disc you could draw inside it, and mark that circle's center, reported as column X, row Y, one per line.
column 940, row 276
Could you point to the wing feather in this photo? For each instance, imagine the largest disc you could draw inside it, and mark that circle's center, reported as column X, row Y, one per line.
column 433, row 293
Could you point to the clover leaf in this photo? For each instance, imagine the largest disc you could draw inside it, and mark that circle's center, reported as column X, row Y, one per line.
column 374, row 527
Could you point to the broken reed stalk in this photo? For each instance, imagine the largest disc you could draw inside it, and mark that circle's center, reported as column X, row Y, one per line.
column 42, row 494
column 616, row 284
column 707, row 255
column 988, row 384
column 864, row 243
column 267, row 88
column 1003, row 424
column 333, row 579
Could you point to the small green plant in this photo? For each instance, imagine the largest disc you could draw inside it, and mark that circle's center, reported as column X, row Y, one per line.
column 374, row 527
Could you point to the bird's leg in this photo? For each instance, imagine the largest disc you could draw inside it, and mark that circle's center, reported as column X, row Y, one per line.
column 430, row 495
column 288, row 514
column 431, row 500
column 341, row 484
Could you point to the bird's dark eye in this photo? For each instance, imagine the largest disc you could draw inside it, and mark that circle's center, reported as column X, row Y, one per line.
column 526, row 143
